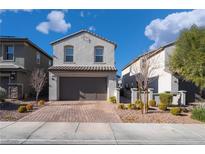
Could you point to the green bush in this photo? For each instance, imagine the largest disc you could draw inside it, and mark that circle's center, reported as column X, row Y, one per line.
column 21, row 109
column 165, row 98
column 121, row 106
column 112, row 99
column 2, row 94
column 162, row 106
column 152, row 103
column 198, row 114
column 176, row 110
column 29, row 107
column 131, row 106
column 139, row 104
column 41, row 103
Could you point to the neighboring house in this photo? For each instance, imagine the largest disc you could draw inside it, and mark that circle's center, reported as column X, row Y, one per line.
column 83, row 68
column 162, row 79
column 18, row 58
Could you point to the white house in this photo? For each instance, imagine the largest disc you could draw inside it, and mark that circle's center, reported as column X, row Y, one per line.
column 162, row 78
column 83, row 68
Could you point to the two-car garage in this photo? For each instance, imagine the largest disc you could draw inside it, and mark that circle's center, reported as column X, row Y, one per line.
column 83, row 88
column 81, row 82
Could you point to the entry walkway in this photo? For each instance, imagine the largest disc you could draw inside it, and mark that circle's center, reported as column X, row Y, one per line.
column 100, row 133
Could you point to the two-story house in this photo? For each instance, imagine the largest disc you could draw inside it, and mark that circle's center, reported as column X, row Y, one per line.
column 162, row 79
column 83, row 68
column 18, row 58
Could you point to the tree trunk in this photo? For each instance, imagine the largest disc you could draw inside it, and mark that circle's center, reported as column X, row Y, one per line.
column 147, row 100
column 37, row 93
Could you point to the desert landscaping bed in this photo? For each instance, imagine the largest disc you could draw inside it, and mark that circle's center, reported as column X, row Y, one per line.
column 154, row 116
column 9, row 110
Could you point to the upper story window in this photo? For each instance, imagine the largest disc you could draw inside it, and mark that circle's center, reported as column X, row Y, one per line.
column 8, row 52
column 49, row 63
column 38, row 58
column 68, row 52
column 99, row 54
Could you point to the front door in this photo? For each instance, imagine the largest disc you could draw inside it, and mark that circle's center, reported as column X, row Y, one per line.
column 4, row 81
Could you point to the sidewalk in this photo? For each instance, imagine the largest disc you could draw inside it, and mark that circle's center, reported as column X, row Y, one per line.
column 100, row 133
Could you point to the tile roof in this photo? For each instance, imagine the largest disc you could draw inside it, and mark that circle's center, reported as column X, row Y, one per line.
column 82, row 68
column 83, row 31
column 10, row 66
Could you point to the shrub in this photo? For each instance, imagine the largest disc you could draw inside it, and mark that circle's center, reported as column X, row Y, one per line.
column 165, row 98
column 198, row 114
column 41, row 103
column 21, row 109
column 139, row 104
column 131, row 106
column 185, row 110
column 121, row 106
column 152, row 103
column 2, row 94
column 112, row 99
column 162, row 106
column 29, row 107
column 176, row 110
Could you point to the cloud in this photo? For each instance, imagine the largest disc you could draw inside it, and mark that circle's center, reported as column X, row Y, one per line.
column 82, row 14
column 15, row 10
column 92, row 28
column 55, row 23
column 162, row 31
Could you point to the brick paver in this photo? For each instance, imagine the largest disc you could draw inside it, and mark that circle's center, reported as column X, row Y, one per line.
column 75, row 112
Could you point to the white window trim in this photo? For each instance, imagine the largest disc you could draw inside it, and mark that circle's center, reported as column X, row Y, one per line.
column 3, row 52
column 95, row 54
column 68, row 46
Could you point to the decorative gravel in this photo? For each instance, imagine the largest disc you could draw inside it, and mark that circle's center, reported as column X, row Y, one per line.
column 9, row 110
column 154, row 116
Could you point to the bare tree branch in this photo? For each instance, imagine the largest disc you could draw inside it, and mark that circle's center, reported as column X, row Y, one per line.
column 144, row 72
column 38, row 80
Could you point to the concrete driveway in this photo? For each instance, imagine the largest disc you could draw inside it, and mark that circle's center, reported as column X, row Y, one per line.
column 75, row 111
column 100, row 133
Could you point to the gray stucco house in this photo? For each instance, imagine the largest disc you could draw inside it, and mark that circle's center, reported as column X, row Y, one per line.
column 18, row 57
column 83, row 67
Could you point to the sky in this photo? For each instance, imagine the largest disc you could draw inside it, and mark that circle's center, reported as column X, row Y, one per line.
column 134, row 31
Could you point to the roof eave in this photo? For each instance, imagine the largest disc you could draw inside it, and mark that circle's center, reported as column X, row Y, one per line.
column 160, row 48
column 73, row 34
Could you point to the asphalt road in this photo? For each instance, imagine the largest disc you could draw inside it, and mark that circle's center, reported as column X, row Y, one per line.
column 100, row 133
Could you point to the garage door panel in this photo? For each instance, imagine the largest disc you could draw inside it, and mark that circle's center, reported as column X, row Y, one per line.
column 83, row 88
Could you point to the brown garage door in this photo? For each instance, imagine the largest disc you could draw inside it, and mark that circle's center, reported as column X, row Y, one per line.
column 83, row 88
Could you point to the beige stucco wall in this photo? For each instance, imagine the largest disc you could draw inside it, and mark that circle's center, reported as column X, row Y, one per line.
column 83, row 46
column 54, row 81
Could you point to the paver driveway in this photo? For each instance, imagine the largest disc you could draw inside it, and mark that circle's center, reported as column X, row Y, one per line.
column 78, row 111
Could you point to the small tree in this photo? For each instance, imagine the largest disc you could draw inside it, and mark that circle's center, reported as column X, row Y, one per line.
column 143, row 72
column 38, row 80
